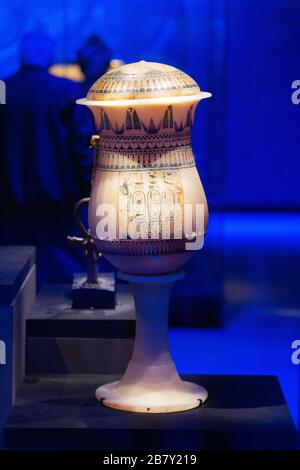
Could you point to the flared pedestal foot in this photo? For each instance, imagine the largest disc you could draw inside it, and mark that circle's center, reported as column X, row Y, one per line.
column 186, row 397
column 151, row 383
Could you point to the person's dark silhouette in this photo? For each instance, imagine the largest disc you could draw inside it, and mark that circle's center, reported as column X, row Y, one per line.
column 40, row 169
column 93, row 58
column 42, row 174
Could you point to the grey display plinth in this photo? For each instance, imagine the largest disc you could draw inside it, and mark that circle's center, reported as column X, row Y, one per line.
column 17, row 294
column 63, row 340
column 59, row 412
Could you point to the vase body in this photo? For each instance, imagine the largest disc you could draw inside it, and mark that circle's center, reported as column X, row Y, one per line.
column 144, row 170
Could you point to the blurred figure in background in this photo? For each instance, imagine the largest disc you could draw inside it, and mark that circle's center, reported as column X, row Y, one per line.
column 93, row 58
column 43, row 168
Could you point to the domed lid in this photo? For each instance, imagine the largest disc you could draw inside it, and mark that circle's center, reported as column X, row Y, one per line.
column 142, row 80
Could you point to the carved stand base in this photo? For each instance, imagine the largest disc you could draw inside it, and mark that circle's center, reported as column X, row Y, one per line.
column 151, row 383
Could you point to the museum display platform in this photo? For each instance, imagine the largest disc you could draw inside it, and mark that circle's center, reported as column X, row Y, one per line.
column 60, row 412
column 78, row 341
column 17, row 295
column 69, row 353
column 74, row 339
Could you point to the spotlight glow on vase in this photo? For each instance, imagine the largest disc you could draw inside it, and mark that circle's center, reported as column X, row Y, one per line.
column 145, row 185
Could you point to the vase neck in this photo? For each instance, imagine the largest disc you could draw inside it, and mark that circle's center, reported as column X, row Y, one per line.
column 144, row 121
column 133, row 151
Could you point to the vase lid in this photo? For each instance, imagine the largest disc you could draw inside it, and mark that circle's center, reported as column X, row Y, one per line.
column 142, row 80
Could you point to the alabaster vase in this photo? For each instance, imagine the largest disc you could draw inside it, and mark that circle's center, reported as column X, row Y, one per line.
column 147, row 208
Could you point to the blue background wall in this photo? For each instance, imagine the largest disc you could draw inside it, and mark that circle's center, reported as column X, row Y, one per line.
column 244, row 51
column 262, row 150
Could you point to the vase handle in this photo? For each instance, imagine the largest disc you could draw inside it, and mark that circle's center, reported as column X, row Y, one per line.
column 84, row 231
